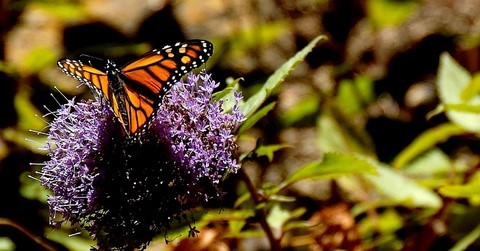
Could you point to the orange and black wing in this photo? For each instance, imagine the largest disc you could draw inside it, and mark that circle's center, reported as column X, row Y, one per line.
column 149, row 77
column 96, row 80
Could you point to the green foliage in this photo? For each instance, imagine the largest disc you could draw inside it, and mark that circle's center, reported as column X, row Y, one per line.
column 427, row 140
column 332, row 165
column 254, row 118
column 269, row 150
column 72, row 242
column 452, row 80
column 384, row 13
column 401, row 190
column 308, row 106
column 6, row 244
column 354, row 94
column 468, row 240
column 254, row 102
column 39, row 58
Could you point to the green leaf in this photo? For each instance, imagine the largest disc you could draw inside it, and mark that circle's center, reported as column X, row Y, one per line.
column 232, row 86
column 467, row 240
column 462, row 108
column 227, row 95
column 308, row 106
column 452, row 80
column 429, row 163
column 32, row 189
column 252, row 120
column 26, row 111
column 269, row 150
column 39, row 58
column 73, row 243
column 386, row 222
column 472, row 89
column 6, row 244
column 471, row 189
column 336, row 137
column 385, row 13
column 277, row 216
column 425, row 141
column 333, row 165
column 354, row 94
column 398, row 188
column 254, row 102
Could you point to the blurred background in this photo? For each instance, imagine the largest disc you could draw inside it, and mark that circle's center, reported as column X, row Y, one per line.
column 375, row 76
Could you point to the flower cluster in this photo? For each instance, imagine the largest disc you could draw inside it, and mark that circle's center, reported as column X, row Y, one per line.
column 125, row 191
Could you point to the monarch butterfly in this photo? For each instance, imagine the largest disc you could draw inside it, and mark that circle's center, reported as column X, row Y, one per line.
column 135, row 90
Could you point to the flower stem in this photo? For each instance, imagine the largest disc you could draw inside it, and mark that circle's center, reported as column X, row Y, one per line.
column 41, row 242
column 260, row 213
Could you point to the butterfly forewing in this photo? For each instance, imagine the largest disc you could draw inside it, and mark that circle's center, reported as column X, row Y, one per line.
column 135, row 90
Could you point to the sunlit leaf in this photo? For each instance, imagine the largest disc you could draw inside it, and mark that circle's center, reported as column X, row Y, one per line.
column 472, row 89
column 425, row 141
column 254, row 102
column 399, row 188
column 451, row 82
column 462, row 108
column 278, row 216
column 332, row 165
column 28, row 140
column 429, row 163
column 469, row 190
column 32, row 189
column 6, row 244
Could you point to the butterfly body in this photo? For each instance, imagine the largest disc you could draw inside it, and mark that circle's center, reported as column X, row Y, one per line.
column 134, row 91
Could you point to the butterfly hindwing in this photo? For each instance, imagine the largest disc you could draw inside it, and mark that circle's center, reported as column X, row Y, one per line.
column 135, row 90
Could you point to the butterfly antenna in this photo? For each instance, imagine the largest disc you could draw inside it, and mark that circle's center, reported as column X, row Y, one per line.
column 88, row 58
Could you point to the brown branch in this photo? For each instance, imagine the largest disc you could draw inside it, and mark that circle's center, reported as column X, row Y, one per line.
column 260, row 212
column 39, row 240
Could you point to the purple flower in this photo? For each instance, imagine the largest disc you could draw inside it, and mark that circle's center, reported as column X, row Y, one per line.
column 124, row 191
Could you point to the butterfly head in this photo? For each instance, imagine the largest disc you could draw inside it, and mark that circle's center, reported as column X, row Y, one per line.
column 111, row 68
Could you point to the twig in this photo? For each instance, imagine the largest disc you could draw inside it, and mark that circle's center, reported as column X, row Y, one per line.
column 40, row 241
column 260, row 212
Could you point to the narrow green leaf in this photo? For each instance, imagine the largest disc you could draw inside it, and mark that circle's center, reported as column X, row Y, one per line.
column 452, row 80
column 461, row 191
column 252, row 120
column 232, row 86
column 472, row 89
column 463, row 108
column 333, row 165
column 467, row 240
column 398, row 188
column 254, row 102
column 425, row 141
